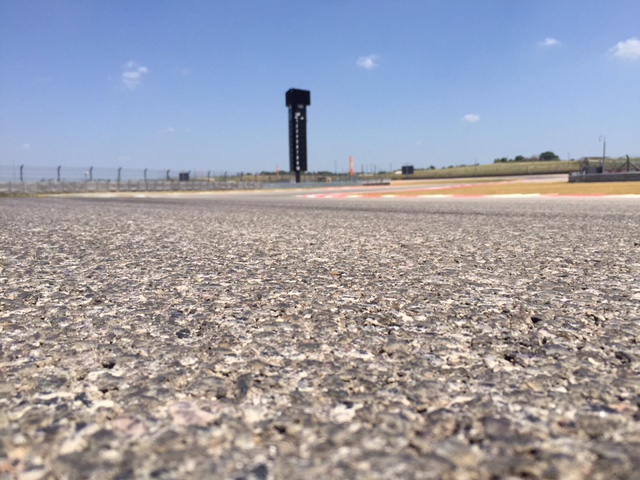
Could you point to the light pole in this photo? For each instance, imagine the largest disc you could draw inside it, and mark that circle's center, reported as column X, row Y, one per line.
column 603, row 139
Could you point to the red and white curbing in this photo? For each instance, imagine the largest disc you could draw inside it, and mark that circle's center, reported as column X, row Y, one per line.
column 441, row 195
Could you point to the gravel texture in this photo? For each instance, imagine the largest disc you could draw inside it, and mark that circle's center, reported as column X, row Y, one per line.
column 266, row 337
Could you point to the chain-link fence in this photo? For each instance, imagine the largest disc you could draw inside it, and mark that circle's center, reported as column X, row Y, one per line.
column 41, row 179
column 29, row 173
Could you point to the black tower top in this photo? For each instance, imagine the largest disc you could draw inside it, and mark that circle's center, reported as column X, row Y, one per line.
column 298, row 97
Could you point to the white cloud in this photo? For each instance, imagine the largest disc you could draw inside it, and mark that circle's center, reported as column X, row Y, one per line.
column 471, row 117
column 132, row 75
column 167, row 131
column 628, row 50
column 549, row 42
column 368, row 61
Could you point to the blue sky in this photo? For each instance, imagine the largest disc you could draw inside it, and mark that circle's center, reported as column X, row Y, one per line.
column 200, row 84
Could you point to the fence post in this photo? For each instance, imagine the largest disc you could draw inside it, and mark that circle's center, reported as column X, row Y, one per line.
column 145, row 175
column 168, row 177
column 91, row 174
column 59, row 167
column 21, row 177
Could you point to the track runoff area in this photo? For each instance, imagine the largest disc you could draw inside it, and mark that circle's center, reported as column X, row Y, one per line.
column 525, row 186
column 546, row 186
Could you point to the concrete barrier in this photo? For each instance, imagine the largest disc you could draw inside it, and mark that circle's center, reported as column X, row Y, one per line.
column 605, row 177
column 53, row 187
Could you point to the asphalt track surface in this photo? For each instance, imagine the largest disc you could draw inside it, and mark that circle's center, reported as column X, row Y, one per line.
column 267, row 336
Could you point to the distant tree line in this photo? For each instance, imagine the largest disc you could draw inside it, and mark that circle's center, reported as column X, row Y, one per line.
column 543, row 157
